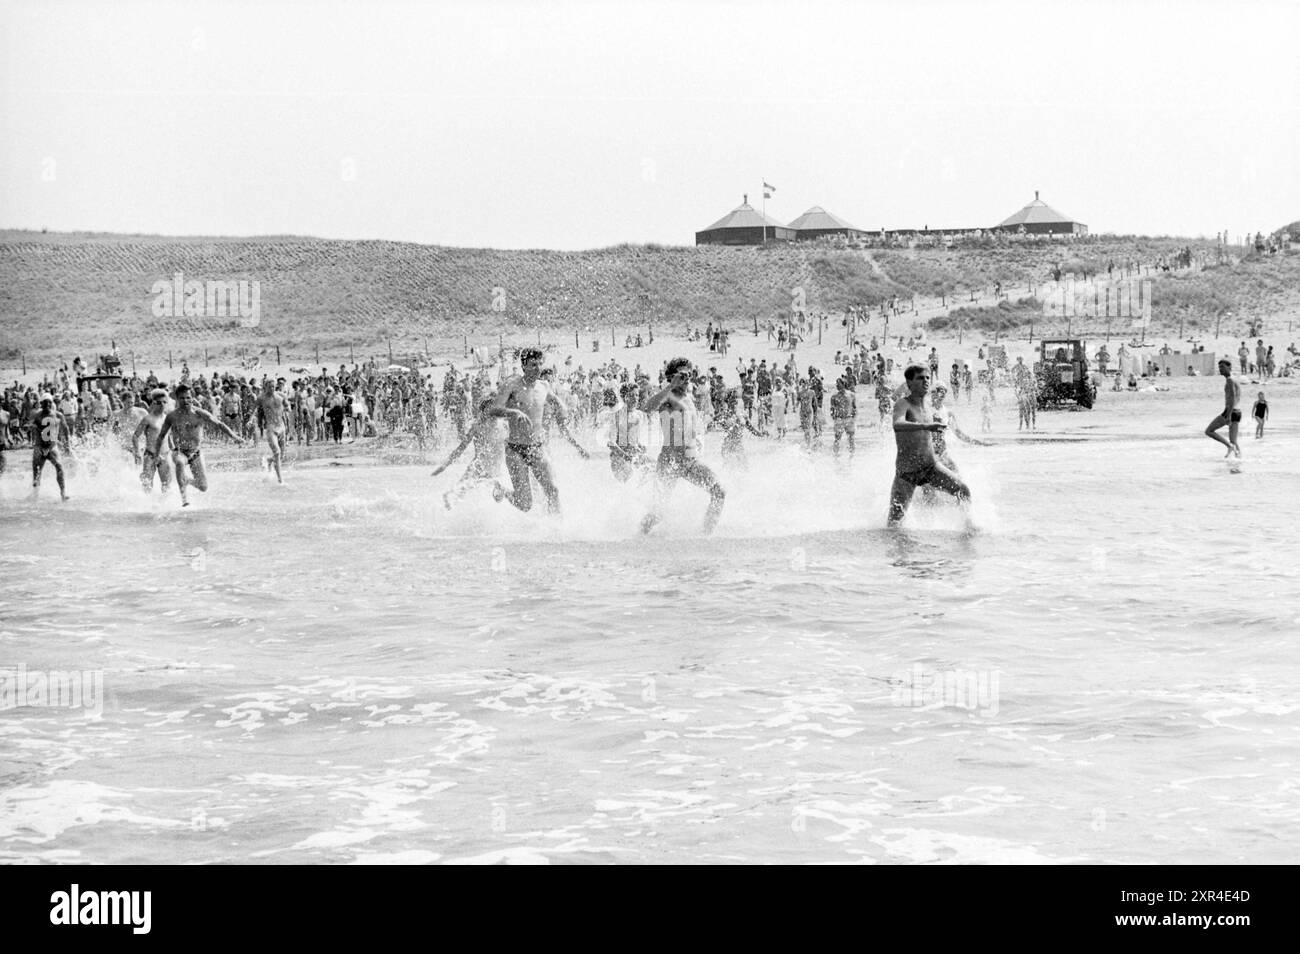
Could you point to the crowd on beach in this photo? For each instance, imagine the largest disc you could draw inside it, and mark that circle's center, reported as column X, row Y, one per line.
column 415, row 411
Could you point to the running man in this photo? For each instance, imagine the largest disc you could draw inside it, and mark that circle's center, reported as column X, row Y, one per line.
column 273, row 414
column 154, row 459
column 489, row 439
column 188, row 421
column 522, row 400
column 1231, row 412
column 844, row 414
column 627, row 436
column 47, row 424
column 679, row 456
column 916, row 465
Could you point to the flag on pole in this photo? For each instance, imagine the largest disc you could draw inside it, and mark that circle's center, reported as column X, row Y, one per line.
column 768, row 189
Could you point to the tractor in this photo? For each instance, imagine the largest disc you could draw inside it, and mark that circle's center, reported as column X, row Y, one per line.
column 1062, row 374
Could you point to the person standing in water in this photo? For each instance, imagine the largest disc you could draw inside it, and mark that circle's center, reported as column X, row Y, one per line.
column 679, row 456
column 916, row 465
column 188, row 421
column 522, row 400
column 1231, row 415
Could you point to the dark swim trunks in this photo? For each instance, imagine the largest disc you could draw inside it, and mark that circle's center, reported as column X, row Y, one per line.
column 530, row 454
column 918, row 478
column 1236, row 416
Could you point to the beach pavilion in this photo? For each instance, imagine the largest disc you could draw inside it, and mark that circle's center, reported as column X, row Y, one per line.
column 1039, row 218
column 745, row 225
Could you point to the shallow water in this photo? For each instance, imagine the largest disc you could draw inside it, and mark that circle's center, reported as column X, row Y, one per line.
column 338, row 670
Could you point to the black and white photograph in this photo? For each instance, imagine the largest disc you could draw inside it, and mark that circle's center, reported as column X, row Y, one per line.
column 650, row 433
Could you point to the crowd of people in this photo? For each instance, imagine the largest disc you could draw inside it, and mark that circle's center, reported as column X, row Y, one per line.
column 508, row 412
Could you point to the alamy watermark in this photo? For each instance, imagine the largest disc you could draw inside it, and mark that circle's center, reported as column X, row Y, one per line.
column 1096, row 298
column 72, row 689
column 972, row 690
column 178, row 298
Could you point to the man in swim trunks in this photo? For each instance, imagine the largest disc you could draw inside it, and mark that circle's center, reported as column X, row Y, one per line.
column 188, row 421
column 154, row 459
column 679, row 456
column 522, row 400
column 916, row 465
column 273, row 413
column 627, row 436
column 1231, row 411
column 47, row 424
column 844, row 413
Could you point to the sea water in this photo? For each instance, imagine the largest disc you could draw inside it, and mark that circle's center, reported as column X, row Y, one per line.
column 339, row 670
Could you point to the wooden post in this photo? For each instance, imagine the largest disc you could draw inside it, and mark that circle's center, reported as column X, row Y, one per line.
column 426, row 345
column 169, row 358
column 24, row 357
column 318, row 352
column 390, row 350
column 205, row 351
column 612, row 343
column 205, row 359
column 277, row 355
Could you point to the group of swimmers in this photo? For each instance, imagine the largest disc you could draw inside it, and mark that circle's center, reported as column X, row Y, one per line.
column 512, row 426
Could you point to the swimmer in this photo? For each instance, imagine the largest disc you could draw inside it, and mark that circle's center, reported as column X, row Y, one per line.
column 627, row 435
column 844, row 414
column 154, row 459
column 679, row 456
column 272, row 415
column 523, row 400
column 916, row 464
column 733, row 435
column 1231, row 415
column 489, row 439
column 46, row 425
column 187, row 423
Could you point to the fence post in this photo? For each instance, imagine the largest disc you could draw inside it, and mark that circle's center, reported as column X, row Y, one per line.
column 277, row 355
column 169, row 358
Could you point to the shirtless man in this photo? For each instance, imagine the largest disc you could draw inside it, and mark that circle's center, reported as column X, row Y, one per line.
column 1231, row 411
column 154, row 459
column 47, row 424
column 679, row 455
column 522, row 400
column 188, row 422
column 271, row 409
column 844, row 412
column 916, row 465
column 627, row 436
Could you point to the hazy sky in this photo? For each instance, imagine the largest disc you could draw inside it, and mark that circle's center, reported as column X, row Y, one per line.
column 578, row 124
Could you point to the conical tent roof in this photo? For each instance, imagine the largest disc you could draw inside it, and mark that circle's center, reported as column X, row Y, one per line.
column 745, row 216
column 1037, row 212
column 819, row 218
